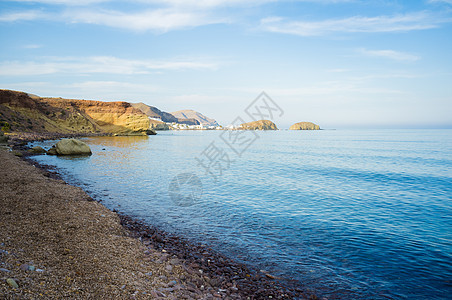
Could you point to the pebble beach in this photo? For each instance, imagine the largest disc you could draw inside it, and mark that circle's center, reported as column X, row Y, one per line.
column 57, row 242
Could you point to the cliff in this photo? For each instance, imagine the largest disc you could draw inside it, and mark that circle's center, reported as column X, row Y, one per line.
column 191, row 114
column 24, row 113
column 259, row 125
column 304, row 126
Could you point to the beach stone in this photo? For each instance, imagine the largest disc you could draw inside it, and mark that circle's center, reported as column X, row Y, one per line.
column 37, row 149
column 72, row 147
column 12, row 283
column 4, row 270
column 51, row 151
column 24, row 267
column 18, row 154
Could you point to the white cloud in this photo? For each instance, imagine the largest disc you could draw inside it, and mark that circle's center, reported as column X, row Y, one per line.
column 21, row 16
column 396, row 23
column 97, row 64
column 441, row 1
column 161, row 20
column 32, row 46
column 391, row 54
column 64, row 2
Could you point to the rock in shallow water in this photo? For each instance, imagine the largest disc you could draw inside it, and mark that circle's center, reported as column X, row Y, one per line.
column 37, row 150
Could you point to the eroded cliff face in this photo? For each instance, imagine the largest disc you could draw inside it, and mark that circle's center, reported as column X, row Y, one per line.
column 35, row 114
column 158, row 125
column 304, row 126
column 259, row 125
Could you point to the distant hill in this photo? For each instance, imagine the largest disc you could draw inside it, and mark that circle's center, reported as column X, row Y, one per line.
column 154, row 112
column 191, row 114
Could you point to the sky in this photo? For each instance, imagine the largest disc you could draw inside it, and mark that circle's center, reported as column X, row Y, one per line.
column 338, row 63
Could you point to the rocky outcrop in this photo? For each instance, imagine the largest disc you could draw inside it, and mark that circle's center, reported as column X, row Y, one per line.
column 158, row 125
column 191, row 114
column 259, row 125
column 304, row 126
column 72, row 147
column 56, row 115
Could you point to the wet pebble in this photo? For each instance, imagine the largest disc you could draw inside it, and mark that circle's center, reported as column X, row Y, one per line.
column 4, row 270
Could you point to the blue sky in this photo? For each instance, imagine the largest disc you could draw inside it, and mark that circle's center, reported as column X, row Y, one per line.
column 338, row 63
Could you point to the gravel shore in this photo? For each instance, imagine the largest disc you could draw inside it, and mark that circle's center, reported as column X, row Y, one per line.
column 56, row 242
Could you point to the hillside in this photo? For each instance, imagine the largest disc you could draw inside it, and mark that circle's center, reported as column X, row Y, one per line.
column 259, row 125
column 191, row 114
column 21, row 112
column 154, row 112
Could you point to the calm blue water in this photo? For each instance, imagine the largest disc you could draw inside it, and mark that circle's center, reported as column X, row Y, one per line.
column 350, row 214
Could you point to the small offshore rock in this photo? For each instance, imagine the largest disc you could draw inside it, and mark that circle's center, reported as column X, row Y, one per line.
column 12, row 283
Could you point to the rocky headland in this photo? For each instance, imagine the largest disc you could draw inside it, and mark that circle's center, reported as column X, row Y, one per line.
column 20, row 112
column 258, row 125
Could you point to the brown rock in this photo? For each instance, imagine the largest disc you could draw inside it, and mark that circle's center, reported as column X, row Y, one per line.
column 259, row 125
column 304, row 126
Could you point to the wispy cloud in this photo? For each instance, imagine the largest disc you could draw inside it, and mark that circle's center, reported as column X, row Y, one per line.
column 440, row 1
column 64, row 2
column 390, row 54
column 97, row 64
column 160, row 20
column 21, row 16
column 32, row 46
column 395, row 23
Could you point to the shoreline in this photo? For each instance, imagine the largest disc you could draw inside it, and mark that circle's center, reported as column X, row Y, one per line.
column 224, row 277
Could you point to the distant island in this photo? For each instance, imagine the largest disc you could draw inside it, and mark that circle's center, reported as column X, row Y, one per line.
column 304, row 126
column 258, row 125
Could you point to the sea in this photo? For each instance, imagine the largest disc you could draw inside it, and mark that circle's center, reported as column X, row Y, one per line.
column 347, row 214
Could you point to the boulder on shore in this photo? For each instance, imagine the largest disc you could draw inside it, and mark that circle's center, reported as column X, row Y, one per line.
column 304, row 126
column 72, row 147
